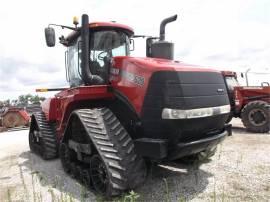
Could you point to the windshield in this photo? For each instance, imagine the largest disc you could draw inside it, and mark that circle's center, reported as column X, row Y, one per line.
column 231, row 83
column 108, row 43
column 103, row 46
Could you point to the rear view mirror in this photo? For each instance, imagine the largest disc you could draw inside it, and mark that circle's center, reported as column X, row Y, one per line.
column 131, row 45
column 50, row 36
column 242, row 75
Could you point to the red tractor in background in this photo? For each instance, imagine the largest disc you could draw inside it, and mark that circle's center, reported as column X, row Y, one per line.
column 121, row 111
column 250, row 103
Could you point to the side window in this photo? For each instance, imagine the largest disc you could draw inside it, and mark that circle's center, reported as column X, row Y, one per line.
column 73, row 64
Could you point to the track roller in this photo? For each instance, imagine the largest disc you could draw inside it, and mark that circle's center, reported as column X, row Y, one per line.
column 65, row 156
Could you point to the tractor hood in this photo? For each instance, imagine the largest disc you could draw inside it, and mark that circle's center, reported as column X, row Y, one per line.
column 176, row 84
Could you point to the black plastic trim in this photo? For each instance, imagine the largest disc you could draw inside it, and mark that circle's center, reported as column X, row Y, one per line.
column 189, row 148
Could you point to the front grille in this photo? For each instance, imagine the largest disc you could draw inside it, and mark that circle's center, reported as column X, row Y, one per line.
column 183, row 90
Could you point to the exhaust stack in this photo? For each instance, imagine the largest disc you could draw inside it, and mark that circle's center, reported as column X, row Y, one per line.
column 161, row 49
column 163, row 25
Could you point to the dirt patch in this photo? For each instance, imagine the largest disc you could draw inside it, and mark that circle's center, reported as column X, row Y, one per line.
column 9, row 161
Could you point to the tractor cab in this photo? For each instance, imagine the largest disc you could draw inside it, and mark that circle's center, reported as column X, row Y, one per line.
column 103, row 45
column 90, row 49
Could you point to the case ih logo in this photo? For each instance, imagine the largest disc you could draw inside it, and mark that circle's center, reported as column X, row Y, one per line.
column 220, row 90
column 139, row 80
column 133, row 78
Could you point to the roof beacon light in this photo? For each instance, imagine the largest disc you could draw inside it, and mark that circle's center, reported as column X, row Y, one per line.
column 75, row 21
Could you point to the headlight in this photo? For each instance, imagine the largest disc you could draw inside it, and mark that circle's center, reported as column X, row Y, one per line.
column 194, row 113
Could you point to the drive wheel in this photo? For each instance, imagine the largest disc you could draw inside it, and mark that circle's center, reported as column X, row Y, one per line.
column 33, row 140
column 64, row 153
column 256, row 116
column 99, row 175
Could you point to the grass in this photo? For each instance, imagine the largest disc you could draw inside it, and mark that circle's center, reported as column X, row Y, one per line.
column 127, row 197
column 214, row 193
column 166, row 190
column 9, row 195
column 34, row 193
column 26, row 193
column 56, row 193
column 182, row 199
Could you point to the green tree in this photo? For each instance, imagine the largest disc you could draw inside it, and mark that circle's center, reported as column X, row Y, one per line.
column 36, row 99
column 7, row 103
column 24, row 99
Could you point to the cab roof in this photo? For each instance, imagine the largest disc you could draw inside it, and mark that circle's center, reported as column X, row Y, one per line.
column 113, row 25
column 97, row 26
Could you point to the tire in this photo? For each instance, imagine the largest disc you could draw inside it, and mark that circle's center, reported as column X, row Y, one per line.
column 256, row 116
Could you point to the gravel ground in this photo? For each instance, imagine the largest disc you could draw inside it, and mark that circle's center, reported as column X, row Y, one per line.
column 239, row 171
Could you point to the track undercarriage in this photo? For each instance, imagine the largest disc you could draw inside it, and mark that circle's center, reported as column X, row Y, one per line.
column 42, row 137
column 96, row 150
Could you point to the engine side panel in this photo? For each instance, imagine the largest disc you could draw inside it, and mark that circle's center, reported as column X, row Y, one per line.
column 59, row 108
column 49, row 107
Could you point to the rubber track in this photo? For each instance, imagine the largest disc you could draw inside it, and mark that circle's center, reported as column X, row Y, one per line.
column 115, row 147
column 48, row 149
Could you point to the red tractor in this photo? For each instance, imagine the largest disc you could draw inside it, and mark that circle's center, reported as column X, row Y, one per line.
column 250, row 103
column 121, row 111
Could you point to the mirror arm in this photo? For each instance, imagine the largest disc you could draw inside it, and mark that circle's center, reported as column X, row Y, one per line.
column 140, row 36
column 63, row 27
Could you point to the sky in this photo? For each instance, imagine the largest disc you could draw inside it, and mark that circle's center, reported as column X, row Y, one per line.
column 232, row 35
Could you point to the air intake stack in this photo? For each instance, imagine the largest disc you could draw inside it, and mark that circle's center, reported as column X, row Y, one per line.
column 87, row 76
column 162, row 49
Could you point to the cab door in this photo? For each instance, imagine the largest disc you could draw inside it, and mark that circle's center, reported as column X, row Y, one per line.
column 73, row 64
